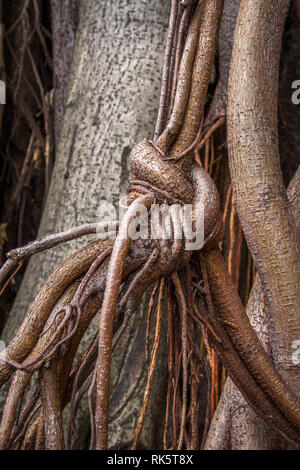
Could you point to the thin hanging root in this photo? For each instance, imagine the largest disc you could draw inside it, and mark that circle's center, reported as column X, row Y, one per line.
column 227, row 203
column 159, row 314
column 161, row 116
column 151, row 302
column 138, row 277
column 210, row 132
column 11, row 277
column 43, row 356
column 184, row 79
column 216, row 379
column 76, row 394
column 179, row 45
column 23, row 417
column 208, row 407
column 194, row 409
column 237, row 366
column 30, row 436
column 17, row 440
column 68, row 311
column 170, row 363
column 5, row 270
column 212, row 390
column 244, row 338
column 74, row 304
column 93, row 268
column 113, row 281
column 133, row 300
column 207, row 346
column 183, row 311
column 91, row 410
column 192, row 145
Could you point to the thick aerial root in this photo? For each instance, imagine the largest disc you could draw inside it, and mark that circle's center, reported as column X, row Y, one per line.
column 206, row 48
column 52, row 408
column 149, row 313
column 113, row 281
column 211, row 130
column 257, row 181
column 14, row 398
column 271, row 392
column 84, row 369
column 180, row 32
column 242, row 378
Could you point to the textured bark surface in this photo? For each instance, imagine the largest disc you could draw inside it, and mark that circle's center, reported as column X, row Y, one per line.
column 113, row 94
column 64, row 22
column 260, row 195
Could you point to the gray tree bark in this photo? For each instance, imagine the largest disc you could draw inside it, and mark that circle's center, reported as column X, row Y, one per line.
column 112, row 101
column 64, row 23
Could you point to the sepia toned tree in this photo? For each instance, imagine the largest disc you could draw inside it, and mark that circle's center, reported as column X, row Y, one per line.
column 144, row 343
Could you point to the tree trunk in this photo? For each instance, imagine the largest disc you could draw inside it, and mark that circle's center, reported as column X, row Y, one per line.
column 64, row 24
column 112, row 100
